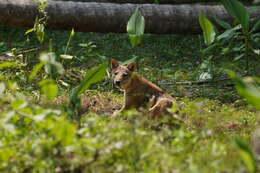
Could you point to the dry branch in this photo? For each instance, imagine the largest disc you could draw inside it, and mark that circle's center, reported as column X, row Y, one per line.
column 109, row 17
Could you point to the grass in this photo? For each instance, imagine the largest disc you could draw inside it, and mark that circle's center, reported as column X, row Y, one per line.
column 212, row 115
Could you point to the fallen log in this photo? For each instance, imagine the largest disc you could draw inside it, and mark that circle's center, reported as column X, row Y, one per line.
column 154, row 1
column 110, row 17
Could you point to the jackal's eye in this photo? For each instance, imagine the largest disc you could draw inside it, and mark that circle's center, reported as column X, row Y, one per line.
column 115, row 73
column 125, row 74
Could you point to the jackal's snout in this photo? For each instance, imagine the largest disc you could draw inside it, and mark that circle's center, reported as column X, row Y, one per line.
column 117, row 83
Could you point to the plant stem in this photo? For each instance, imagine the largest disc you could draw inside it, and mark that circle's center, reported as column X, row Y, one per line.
column 247, row 52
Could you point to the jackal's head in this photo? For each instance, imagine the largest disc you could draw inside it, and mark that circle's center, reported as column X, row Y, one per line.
column 121, row 75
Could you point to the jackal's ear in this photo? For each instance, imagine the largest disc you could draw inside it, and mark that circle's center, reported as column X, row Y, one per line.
column 131, row 66
column 114, row 63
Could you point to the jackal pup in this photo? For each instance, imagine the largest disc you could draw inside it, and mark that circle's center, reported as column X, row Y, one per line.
column 139, row 92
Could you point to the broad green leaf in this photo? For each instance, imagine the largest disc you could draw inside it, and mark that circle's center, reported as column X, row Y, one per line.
column 237, row 10
column 208, row 29
column 92, row 76
column 35, row 70
column 248, row 89
column 49, row 89
column 246, row 155
column 222, row 23
column 135, row 27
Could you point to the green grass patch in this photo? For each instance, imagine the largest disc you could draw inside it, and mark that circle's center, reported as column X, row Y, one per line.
column 37, row 135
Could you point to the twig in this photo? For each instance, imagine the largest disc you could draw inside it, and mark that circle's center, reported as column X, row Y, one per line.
column 25, row 50
column 199, row 82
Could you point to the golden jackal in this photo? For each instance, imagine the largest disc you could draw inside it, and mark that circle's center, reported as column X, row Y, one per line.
column 139, row 92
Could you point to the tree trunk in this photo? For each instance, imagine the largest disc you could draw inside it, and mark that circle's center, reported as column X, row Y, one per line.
column 154, row 1
column 108, row 17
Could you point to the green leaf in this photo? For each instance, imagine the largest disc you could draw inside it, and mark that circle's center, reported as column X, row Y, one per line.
column 40, row 32
column 228, row 33
column 135, row 27
column 29, row 31
column 72, row 33
column 238, row 57
column 66, row 56
column 19, row 104
column 246, row 155
column 50, row 62
column 35, row 70
column 256, row 27
column 49, row 89
column 237, row 10
column 205, row 70
column 222, row 23
column 208, row 29
column 256, row 51
column 129, row 60
column 252, row 9
column 135, row 40
column 65, row 132
column 92, row 76
column 209, row 48
column 247, row 88
column 8, row 65
column 205, row 76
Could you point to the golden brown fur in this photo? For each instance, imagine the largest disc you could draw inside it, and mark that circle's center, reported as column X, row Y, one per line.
column 139, row 92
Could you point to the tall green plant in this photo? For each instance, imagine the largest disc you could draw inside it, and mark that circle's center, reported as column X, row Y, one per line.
column 40, row 22
column 206, row 67
column 238, row 11
column 239, row 41
column 92, row 76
